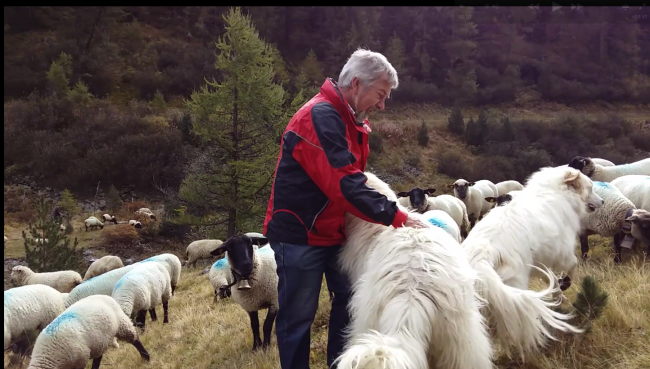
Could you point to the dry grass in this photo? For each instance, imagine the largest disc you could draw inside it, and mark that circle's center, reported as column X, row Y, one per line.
column 203, row 334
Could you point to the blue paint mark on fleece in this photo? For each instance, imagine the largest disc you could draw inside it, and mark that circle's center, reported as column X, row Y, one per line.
column 61, row 319
column 220, row 264
column 266, row 248
column 438, row 222
column 119, row 283
column 153, row 258
column 602, row 184
column 8, row 297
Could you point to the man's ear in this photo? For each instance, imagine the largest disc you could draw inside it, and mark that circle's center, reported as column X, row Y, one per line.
column 221, row 249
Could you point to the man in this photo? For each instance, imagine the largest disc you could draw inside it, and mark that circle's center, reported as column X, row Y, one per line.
column 319, row 176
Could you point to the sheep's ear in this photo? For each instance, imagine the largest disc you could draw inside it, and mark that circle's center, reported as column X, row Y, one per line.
column 220, row 250
column 430, row 191
column 402, row 194
column 471, row 183
column 491, row 199
column 632, row 218
column 259, row 241
column 450, row 186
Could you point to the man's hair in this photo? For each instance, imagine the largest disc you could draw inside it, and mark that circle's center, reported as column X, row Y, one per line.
column 368, row 66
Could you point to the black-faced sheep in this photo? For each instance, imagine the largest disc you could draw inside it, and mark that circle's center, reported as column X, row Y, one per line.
column 598, row 172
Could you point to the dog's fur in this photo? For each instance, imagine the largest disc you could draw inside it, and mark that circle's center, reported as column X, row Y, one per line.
column 413, row 298
column 536, row 230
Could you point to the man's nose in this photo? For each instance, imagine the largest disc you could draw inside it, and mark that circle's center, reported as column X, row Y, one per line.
column 381, row 105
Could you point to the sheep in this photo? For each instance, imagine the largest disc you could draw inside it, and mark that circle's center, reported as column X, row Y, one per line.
column 103, row 265
column 447, row 203
column 93, row 222
column 30, row 307
column 200, row 249
column 62, row 228
column 82, row 332
column 640, row 220
column 443, row 220
column 636, row 188
column 142, row 289
column 255, row 273
column 413, row 294
column 507, row 248
column 220, row 276
column 507, row 186
column 101, row 285
column 146, row 212
column 600, row 173
column 109, row 218
column 135, row 223
column 502, row 199
column 173, row 265
column 608, row 220
column 62, row 281
column 472, row 194
column 603, row 162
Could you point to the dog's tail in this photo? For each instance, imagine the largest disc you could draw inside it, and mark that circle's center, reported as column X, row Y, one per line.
column 403, row 345
column 522, row 317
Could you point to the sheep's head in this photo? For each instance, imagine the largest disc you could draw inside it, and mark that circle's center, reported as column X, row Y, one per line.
column 501, row 200
column 640, row 220
column 113, row 219
column 418, row 197
column 583, row 164
column 460, row 188
column 240, row 256
column 18, row 275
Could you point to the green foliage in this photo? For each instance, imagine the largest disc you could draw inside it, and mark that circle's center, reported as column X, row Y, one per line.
column 477, row 131
column 79, row 94
column 60, row 72
column 69, row 204
column 591, row 301
column 113, row 199
column 455, row 121
column 375, row 142
column 396, row 53
column 423, row 135
column 158, row 104
column 55, row 252
column 237, row 120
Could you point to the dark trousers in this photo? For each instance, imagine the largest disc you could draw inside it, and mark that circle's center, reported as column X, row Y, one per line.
column 300, row 272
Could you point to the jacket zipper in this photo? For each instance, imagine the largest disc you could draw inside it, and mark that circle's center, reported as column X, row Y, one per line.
column 317, row 214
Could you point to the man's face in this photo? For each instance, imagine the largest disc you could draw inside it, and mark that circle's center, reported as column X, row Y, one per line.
column 371, row 97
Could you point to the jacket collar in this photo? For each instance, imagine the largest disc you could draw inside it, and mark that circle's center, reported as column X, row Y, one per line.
column 331, row 91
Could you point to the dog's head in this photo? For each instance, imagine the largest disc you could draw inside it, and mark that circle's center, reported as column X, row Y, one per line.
column 418, row 197
column 584, row 187
column 461, row 187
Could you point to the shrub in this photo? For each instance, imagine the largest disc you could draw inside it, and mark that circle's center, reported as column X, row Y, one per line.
column 455, row 121
column 453, row 164
column 119, row 234
column 375, row 142
column 423, row 135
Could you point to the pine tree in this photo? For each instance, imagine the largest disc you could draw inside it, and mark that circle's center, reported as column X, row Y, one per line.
column 59, row 74
column 396, row 53
column 477, row 131
column 507, row 132
column 470, row 132
column 69, row 204
column 113, row 199
column 455, row 121
column 237, row 121
column 54, row 253
column 423, row 135
column 158, row 103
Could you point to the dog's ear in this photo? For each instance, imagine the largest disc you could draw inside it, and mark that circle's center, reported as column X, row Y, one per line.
column 491, row 199
column 450, row 186
column 402, row 194
column 572, row 179
column 221, row 249
column 430, row 191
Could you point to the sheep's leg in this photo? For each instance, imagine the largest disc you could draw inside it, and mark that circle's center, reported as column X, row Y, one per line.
column 255, row 326
column 565, row 283
column 268, row 326
column 618, row 238
column 472, row 221
column 140, row 318
column 152, row 313
column 584, row 245
column 96, row 362
column 165, row 305
column 143, row 352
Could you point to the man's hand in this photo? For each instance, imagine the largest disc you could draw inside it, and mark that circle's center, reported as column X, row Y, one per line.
column 414, row 222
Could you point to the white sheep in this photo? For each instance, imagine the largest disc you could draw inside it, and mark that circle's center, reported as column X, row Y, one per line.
column 507, row 186
column 101, row 285
column 636, row 188
column 30, row 307
column 142, row 289
column 413, row 295
column 600, row 173
column 173, row 265
column 419, row 199
column 502, row 199
column 443, row 220
column 62, row 228
column 92, row 223
column 146, row 212
column 534, row 232
column 603, row 162
column 220, row 276
column 256, row 279
column 62, row 281
column 82, row 332
column 640, row 230
column 473, row 195
column 109, row 218
column 135, row 223
column 608, row 220
column 200, row 249
column 103, row 265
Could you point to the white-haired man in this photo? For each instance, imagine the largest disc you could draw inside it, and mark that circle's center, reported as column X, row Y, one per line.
column 319, row 177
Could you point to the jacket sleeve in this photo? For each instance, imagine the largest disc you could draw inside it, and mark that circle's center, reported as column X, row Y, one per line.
column 329, row 164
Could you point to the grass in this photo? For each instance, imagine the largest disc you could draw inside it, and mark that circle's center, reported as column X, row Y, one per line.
column 203, row 334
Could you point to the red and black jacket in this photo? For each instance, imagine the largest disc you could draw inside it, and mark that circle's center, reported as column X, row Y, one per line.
column 319, row 176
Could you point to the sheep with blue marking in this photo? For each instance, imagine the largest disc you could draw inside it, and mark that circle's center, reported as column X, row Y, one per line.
column 142, row 289
column 103, row 265
column 255, row 273
column 82, row 332
column 100, row 285
column 600, row 173
column 173, row 265
column 220, row 276
column 30, row 307
column 443, row 220
column 62, row 281
column 423, row 200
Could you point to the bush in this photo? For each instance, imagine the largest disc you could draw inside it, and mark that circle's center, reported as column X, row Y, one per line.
column 455, row 121
column 423, row 135
column 119, row 234
column 453, row 164
column 375, row 142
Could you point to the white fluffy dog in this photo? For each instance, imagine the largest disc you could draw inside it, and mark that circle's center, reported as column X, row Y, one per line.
column 413, row 298
column 537, row 229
